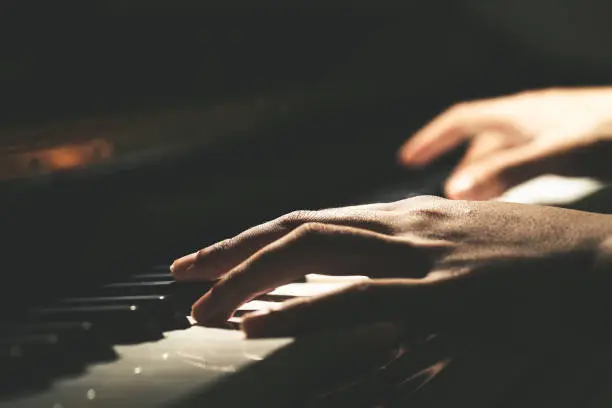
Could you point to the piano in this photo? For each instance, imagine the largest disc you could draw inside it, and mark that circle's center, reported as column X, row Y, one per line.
column 98, row 198
column 108, row 326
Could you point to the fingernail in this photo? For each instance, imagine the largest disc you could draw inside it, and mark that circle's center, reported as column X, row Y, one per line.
column 460, row 187
column 182, row 265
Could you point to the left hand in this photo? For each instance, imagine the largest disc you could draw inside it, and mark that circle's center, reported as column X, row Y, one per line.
column 511, row 271
column 517, row 137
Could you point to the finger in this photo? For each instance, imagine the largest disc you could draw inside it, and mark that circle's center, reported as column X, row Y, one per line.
column 417, row 303
column 312, row 248
column 212, row 262
column 490, row 177
column 448, row 131
column 485, row 144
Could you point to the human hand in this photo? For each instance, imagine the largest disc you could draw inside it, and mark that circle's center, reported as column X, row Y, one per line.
column 490, row 269
column 515, row 138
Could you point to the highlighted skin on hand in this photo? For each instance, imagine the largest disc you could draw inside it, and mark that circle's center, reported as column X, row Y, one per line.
column 488, row 269
column 518, row 137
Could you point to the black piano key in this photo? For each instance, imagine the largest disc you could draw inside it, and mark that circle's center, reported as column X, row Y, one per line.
column 119, row 323
column 152, row 276
column 83, row 334
column 35, row 346
column 19, row 353
column 184, row 293
column 119, row 300
column 77, row 332
column 133, row 288
column 44, row 327
column 16, row 345
column 162, row 309
column 33, row 354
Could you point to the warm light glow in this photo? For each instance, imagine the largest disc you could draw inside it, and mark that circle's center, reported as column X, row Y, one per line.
column 66, row 157
column 63, row 157
column 70, row 156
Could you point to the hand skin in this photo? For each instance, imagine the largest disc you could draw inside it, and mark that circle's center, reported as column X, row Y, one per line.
column 499, row 272
column 517, row 137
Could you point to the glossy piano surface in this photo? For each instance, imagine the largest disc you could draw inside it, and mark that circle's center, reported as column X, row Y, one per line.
column 181, row 365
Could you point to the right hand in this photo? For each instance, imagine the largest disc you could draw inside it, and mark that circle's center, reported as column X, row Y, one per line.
column 438, row 265
column 515, row 138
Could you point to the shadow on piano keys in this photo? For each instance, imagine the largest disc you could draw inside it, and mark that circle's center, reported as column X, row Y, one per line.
column 130, row 344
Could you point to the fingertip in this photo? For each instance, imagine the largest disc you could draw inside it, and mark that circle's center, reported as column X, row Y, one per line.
column 404, row 154
column 472, row 189
column 278, row 322
column 409, row 155
column 254, row 325
column 461, row 187
column 181, row 266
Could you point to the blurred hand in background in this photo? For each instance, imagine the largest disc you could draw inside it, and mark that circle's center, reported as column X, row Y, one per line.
column 515, row 138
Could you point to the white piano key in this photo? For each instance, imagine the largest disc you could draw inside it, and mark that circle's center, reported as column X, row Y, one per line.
column 307, row 289
column 235, row 320
column 318, row 278
column 551, row 189
column 259, row 305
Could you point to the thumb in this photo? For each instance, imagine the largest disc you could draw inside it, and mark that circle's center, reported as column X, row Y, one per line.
column 491, row 176
column 385, row 300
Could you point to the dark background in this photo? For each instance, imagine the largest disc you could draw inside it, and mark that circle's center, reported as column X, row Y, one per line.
column 67, row 59
column 315, row 99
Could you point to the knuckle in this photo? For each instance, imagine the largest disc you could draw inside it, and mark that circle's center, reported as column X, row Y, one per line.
column 224, row 245
column 215, row 256
column 427, row 208
column 200, row 255
column 426, row 201
column 386, row 206
column 426, row 198
column 295, row 218
column 429, row 213
column 310, row 230
column 215, row 251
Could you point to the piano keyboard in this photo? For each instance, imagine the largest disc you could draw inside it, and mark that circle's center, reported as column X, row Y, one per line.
column 132, row 344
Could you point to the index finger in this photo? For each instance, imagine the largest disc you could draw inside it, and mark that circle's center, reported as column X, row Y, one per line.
column 314, row 248
column 448, row 130
column 212, row 262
